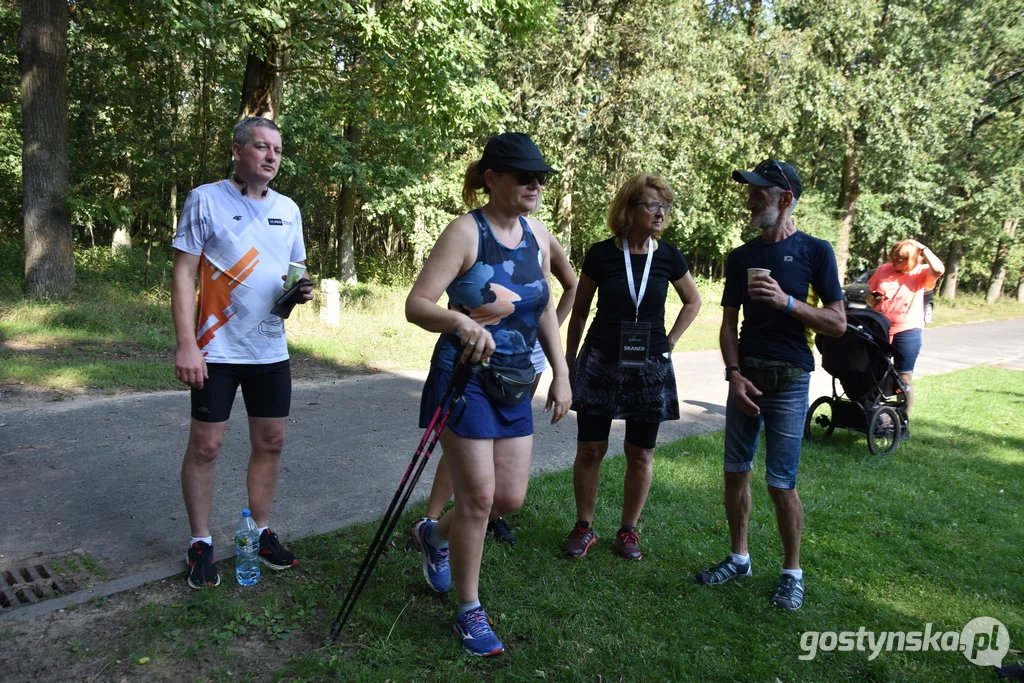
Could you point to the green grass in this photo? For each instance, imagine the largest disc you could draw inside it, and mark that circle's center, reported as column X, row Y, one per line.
column 968, row 307
column 929, row 535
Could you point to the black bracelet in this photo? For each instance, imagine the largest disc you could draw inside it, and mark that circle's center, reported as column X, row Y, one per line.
column 729, row 370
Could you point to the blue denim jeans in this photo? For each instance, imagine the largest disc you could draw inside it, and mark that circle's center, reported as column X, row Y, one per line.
column 783, row 414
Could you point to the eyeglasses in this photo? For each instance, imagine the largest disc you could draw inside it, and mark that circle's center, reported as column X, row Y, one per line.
column 783, row 174
column 652, row 207
column 525, row 177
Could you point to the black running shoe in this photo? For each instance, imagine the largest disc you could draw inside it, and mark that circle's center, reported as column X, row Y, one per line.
column 201, row 572
column 723, row 572
column 273, row 554
column 790, row 593
column 502, row 531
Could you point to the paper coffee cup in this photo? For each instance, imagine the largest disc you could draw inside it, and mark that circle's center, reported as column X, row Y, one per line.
column 751, row 272
column 295, row 271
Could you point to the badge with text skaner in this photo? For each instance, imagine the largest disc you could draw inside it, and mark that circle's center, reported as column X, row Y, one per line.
column 634, row 340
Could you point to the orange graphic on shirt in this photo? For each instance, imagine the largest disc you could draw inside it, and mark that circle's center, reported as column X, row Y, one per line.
column 215, row 289
column 494, row 312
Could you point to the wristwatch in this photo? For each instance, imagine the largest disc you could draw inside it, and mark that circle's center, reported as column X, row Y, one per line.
column 729, row 370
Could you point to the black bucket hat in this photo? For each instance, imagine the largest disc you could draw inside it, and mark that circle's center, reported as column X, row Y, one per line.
column 771, row 173
column 513, row 150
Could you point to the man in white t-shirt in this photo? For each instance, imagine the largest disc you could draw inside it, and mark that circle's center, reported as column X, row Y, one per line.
column 237, row 236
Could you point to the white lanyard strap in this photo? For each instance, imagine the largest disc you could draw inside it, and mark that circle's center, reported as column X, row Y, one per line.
column 637, row 296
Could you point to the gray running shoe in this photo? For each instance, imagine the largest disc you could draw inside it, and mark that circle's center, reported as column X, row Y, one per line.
column 723, row 572
column 790, row 593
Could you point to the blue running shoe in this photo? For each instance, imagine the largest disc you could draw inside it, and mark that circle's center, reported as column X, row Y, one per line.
column 435, row 560
column 478, row 639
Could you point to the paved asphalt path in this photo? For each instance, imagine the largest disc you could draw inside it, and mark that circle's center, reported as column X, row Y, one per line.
column 102, row 475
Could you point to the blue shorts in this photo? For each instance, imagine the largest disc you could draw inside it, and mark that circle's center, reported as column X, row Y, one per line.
column 908, row 343
column 475, row 416
column 783, row 414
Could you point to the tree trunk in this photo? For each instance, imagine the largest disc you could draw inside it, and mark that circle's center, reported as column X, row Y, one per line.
column 956, row 253
column 263, row 83
column 1020, row 289
column 998, row 276
column 43, row 56
column 346, row 212
column 849, row 193
column 563, row 210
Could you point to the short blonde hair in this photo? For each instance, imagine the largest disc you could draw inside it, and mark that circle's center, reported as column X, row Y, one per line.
column 907, row 249
column 620, row 214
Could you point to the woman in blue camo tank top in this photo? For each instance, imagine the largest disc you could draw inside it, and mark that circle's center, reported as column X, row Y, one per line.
column 493, row 263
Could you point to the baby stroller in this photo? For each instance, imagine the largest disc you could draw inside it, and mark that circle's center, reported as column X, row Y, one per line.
column 874, row 399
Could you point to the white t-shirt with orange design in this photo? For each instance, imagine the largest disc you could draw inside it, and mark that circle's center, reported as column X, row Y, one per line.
column 245, row 247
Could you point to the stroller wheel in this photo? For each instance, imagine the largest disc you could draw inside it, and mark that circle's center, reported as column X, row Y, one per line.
column 884, row 430
column 820, row 421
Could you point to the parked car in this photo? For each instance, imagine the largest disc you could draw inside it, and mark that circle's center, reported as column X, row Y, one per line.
column 857, row 291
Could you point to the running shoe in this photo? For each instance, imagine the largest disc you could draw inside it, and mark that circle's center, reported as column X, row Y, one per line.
column 435, row 560
column 627, row 543
column 501, row 531
column 478, row 639
column 273, row 554
column 790, row 593
column 579, row 541
column 723, row 572
column 201, row 572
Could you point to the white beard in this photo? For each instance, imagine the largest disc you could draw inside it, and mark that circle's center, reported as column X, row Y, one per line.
column 766, row 218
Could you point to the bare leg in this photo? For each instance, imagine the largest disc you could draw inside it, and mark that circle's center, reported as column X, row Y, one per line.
column 471, row 462
column 441, row 490
column 789, row 514
column 737, row 509
column 266, row 435
column 197, row 470
column 639, row 471
column 586, row 475
column 907, row 378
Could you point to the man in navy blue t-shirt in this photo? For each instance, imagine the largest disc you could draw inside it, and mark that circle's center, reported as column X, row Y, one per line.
column 778, row 279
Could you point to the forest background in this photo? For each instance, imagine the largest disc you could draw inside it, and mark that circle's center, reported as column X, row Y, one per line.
column 902, row 116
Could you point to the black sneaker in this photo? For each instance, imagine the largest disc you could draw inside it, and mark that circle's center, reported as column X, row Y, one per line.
column 790, row 593
column 273, row 554
column 502, row 531
column 201, row 572
column 723, row 572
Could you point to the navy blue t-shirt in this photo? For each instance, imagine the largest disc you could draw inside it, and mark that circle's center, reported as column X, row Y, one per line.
column 804, row 267
column 604, row 265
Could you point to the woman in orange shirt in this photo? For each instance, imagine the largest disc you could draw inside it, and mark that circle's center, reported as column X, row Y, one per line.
column 896, row 290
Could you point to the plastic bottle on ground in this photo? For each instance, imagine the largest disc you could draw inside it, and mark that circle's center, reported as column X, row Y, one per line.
column 247, row 545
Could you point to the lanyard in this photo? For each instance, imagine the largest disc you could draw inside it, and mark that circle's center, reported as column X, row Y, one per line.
column 637, row 297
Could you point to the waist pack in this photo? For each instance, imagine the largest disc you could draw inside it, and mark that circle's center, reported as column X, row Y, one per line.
column 770, row 375
column 505, row 385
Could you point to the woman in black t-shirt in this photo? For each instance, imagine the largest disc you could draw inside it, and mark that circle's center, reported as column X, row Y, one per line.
column 624, row 370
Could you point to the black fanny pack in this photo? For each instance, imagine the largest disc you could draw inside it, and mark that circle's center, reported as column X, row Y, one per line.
column 505, row 385
column 770, row 375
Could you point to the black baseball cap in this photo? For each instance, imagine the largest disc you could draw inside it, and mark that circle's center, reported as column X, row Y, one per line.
column 514, row 150
column 771, row 173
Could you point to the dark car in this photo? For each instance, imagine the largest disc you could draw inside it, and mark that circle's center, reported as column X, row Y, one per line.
column 856, row 295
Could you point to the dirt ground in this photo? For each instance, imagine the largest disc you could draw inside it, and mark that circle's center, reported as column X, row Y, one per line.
column 88, row 643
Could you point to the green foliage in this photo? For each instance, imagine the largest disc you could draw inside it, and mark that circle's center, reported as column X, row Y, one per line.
column 390, row 101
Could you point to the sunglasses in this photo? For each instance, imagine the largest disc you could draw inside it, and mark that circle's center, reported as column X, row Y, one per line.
column 783, row 174
column 525, row 177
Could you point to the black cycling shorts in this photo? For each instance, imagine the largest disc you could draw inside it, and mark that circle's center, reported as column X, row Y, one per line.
column 266, row 389
column 597, row 428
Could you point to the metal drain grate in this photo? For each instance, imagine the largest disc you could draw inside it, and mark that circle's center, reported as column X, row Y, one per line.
column 28, row 585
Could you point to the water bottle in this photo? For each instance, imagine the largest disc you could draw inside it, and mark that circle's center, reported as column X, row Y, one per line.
column 247, row 545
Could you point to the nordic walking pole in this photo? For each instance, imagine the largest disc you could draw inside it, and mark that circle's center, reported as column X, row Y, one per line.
column 456, row 385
